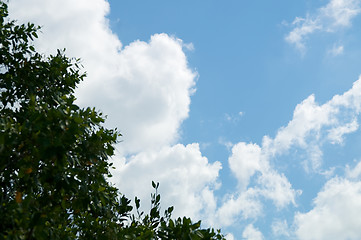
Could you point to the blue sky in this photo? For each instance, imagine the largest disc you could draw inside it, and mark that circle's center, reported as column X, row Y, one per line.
column 246, row 112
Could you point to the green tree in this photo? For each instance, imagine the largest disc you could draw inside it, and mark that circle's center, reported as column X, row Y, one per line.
column 54, row 155
column 155, row 226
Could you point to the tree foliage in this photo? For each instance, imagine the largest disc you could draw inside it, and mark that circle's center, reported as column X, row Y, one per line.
column 54, row 155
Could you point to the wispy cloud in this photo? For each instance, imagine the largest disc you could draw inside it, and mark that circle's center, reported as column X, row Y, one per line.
column 280, row 228
column 353, row 173
column 233, row 118
column 336, row 50
column 303, row 28
column 335, row 15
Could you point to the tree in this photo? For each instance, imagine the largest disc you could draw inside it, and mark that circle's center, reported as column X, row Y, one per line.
column 54, row 155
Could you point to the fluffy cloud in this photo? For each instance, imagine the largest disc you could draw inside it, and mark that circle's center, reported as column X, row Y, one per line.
column 145, row 90
column 239, row 206
column 150, row 94
column 77, row 26
column 244, row 161
column 312, row 126
column 184, row 175
column 335, row 214
column 247, row 161
column 336, row 14
column 252, row 233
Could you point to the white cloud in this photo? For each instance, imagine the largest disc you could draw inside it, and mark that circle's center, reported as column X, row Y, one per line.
column 308, row 117
column 336, row 50
column 335, row 15
column 339, row 13
column 77, row 26
column 297, row 35
column 311, row 127
column 244, row 205
column 183, row 173
column 252, row 233
column 244, row 161
column 335, row 214
column 280, row 228
column 224, row 142
column 336, row 134
column 151, row 92
column 145, row 90
column 229, row 236
column 276, row 187
column 247, row 161
column 233, row 118
column 189, row 46
column 354, row 173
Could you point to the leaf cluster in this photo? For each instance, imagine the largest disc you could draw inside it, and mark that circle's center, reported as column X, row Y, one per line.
column 157, row 226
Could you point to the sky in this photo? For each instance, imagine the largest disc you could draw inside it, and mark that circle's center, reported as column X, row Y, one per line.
column 246, row 112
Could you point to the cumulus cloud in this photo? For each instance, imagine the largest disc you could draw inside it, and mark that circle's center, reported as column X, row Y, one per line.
column 335, row 214
column 239, row 206
column 184, row 175
column 145, row 90
column 151, row 92
column 247, row 161
column 312, row 126
column 244, row 161
column 252, row 233
column 335, row 15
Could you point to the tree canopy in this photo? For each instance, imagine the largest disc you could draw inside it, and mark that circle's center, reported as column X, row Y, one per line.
column 54, row 155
